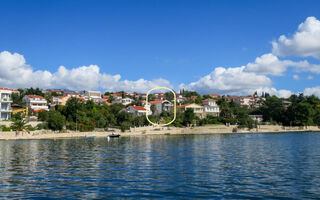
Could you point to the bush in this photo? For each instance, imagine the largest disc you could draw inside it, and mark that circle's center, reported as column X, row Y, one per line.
column 125, row 126
column 56, row 120
column 5, row 128
column 30, row 128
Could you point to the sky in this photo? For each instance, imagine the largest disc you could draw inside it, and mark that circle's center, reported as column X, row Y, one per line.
column 225, row 47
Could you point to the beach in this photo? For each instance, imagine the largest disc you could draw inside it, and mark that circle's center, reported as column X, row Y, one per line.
column 151, row 130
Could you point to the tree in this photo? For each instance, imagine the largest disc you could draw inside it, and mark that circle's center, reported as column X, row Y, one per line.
column 153, row 108
column 43, row 116
column 18, row 125
column 55, row 120
column 169, row 96
column 16, row 98
column 189, row 116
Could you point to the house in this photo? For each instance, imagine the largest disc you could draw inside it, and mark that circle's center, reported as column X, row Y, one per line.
column 258, row 118
column 247, row 101
column 180, row 98
column 197, row 109
column 234, row 99
column 215, row 96
column 210, row 107
column 59, row 100
column 159, row 95
column 92, row 95
column 35, row 102
column 57, row 91
column 137, row 110
column 161, row 105
column 124, row 101
column 71, row 94
column 5, row 103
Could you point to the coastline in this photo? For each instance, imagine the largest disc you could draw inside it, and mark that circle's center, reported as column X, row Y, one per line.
column 145, row 131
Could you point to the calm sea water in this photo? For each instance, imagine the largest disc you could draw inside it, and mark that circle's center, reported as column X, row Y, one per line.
column 223, row 166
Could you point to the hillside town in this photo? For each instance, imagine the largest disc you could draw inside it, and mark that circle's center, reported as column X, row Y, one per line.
column 134, row 103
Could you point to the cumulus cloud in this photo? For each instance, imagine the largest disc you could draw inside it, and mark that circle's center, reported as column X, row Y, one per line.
column 312, row 91
column 296, row 77
column 269, row 64
column 304, row 43
column 310, row 77
column 273, row 91
column 14, row 72
column 229, row 81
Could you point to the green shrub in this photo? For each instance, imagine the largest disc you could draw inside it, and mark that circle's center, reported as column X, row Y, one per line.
column 5, row 128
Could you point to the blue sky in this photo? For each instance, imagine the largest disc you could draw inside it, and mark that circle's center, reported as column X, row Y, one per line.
column 179, row 41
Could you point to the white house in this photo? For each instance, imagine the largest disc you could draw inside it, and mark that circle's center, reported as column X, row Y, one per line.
column 210, row 107
column 35, row 102
column 92, row 95
column 124, row 101
column 180, row 98
column 137, row 110
column 5, row 103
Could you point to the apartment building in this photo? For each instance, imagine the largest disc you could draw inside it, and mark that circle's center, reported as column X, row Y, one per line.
column 5, row 103
column 35, row 102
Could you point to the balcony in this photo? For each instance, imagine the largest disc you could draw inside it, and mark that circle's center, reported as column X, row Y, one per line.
column 6, row 100
column 5, row 110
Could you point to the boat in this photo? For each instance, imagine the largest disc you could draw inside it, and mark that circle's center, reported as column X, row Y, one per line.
column 114, row 135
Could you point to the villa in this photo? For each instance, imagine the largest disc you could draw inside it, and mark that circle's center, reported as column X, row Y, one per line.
column 210, row 107
column 161, row 105
column 124, row 101
column 197, row 109
column 137, row 110
column 5, row 103
column 92, row 95
column 59, row 100
column 35, row 102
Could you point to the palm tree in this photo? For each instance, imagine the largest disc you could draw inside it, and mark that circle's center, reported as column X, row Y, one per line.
column 18, row 125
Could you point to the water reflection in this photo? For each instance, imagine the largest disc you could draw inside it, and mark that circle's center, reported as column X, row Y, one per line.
column 195, row 166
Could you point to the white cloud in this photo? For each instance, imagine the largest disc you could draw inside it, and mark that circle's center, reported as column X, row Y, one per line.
column 296, row 77
column 269, row 64
column 273, row 91
column 305, row 42
column 229, row 81
column 14, row 72
column 310, row 77
column 312, row 91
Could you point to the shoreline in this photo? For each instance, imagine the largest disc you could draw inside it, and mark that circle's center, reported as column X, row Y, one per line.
column 145, row 131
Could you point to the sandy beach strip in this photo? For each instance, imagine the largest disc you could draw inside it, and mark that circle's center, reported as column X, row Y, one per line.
column 143, row 131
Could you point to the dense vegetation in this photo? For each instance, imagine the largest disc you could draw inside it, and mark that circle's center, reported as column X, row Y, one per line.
column 302, row 111
column 298, row 110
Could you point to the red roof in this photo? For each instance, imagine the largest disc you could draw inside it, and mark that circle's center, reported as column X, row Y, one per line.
column 232, row 97
column 38, row 110
column 56, row 91
column 156, row 101
column 184, row 105
column 118, row 94
column 138, row 108
column 35, row 96
column 71, row 93
column 81, row 99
